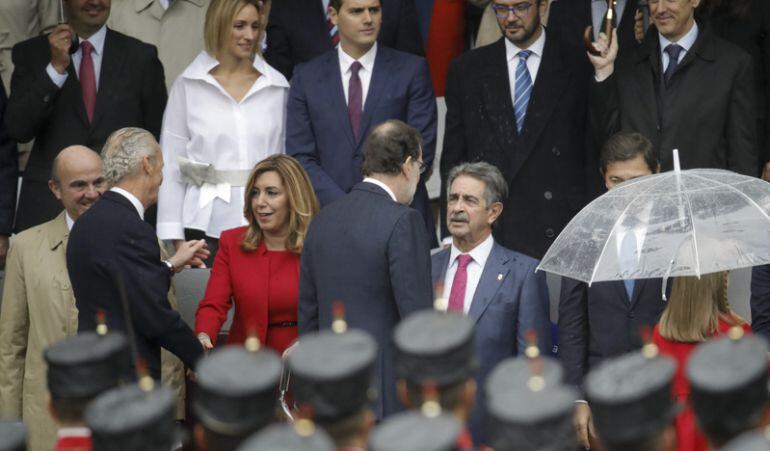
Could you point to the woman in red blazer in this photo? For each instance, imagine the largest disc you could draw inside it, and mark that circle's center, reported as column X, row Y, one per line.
column 257, row 266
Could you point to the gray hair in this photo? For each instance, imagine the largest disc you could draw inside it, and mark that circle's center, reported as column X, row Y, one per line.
column 124, row 151
column 495, row 186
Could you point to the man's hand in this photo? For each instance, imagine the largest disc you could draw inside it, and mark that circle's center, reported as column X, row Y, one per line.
column 584, row 424
column 4, row 242
column 766, row 172
column 639, row 26
column 190, row 254
column 60, row 40
column 205, row 341
column 604, row 63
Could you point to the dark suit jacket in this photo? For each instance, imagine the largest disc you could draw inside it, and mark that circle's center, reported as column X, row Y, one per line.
column 9, row 172
column 370, row 253
column 110, row 245
column 599, row 322
column 510, row 300
column 570, row 18
column 545, row 165
column 760, row 300
column 318, row 131
column 708, row 112
column 132, row 93
column 297, row 31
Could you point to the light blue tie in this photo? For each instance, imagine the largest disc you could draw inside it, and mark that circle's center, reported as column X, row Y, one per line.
column 628, row 261
column 522, row 88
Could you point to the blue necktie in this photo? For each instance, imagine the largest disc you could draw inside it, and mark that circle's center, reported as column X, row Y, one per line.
column 628, row 260
column 673, row 51
column 523, row 89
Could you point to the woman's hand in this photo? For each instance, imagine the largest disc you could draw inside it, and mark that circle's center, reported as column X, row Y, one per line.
column 205, row 340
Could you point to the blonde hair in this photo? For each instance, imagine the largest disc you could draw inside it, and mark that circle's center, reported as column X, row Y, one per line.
column 303, row 204
column 219, row 22
column 695, row 307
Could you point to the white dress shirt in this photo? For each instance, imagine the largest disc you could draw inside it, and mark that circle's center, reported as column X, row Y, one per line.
column 131, row 198
column 97, row 40
column 204, row 124
column 70, row 222
column 533, row 62
column 479, row 254
column 383, row 186
column 365, row 73
column 686, row 43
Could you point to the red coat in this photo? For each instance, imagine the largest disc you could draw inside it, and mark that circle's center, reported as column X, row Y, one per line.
column 264, row 285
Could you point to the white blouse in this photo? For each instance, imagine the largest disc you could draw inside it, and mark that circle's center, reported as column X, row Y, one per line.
column 204, row 124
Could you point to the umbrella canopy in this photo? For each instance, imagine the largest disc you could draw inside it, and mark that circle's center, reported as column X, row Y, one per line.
column 678, row 223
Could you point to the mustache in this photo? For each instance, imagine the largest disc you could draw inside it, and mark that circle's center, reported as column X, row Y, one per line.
column 459, row 217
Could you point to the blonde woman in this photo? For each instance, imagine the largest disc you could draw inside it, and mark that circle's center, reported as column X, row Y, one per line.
column 225, row 113
column 258, row 265
column 697, row 310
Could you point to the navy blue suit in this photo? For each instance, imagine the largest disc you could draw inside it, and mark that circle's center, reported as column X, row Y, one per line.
column 510, row 300
column 108, row 245
column 318, row 131
column 760, row 300
column 372, row 254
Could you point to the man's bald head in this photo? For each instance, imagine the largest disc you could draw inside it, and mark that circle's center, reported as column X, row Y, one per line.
column 76, row 179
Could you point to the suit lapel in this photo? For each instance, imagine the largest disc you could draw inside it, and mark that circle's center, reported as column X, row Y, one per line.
column 380, row 73
column 496, row 90
column 438, row 270
column 336, row 96
column 109, row 75
column 492, row 278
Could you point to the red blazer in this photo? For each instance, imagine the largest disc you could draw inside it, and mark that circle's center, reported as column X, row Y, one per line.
column 240, row 276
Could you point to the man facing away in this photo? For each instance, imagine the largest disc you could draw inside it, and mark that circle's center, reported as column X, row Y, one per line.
column 370, row 251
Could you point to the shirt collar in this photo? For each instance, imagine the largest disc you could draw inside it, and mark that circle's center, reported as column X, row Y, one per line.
column 133, row 199
column 479, row 254
column 366, row 60
column 687, row 41
column 200, row 67
column 70, row 222
column 73, row 432
column 511, row 50
column 383, row 186
column 97, row 40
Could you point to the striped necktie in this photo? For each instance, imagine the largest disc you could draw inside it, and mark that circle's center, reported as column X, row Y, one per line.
column 523, row 89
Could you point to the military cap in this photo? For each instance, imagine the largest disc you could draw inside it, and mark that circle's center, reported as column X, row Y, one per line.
column 529, row 409
column 301, row 436
column 750, row 441
column 332, row 372
column 630, row 396
column 13, row 436
column 236, row 389
column 131, row 418
column 415, row 431
column 87, row 364
column 728, row 378
column 434, row 347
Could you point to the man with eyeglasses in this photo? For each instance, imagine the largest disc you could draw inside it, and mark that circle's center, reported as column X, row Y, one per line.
column 520, row 104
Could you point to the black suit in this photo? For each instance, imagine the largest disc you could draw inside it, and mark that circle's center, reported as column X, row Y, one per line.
column 9, row 172
column 131, row 93
column 545, row 165
column 708, row 112
column 570, row 18
column 599, row 322
column 108, row 245
column 297, row 31
column 371, row 253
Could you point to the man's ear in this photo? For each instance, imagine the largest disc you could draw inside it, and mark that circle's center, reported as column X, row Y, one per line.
column 405, row 165
column 332, row 13
column 54, row 189
column 147, row 164
column 495, row 210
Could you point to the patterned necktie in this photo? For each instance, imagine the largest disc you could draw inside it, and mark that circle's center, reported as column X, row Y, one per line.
column 355, row 95
column 523, row 89
column 673, row 51
column 88, row 79
column 459, row 283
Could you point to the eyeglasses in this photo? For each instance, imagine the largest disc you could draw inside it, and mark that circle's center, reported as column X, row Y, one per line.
column 423, row 166
column 520, row 10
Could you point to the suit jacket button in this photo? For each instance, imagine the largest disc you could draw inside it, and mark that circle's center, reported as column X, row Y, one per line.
column 631, row 314
column 46, row 98
column 555, row 151
column 549, row 233
column 547, row 195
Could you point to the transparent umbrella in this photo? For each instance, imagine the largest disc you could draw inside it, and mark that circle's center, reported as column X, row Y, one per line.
column 678, row 223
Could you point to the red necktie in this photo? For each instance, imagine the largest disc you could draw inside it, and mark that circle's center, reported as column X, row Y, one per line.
column 460, row 282
column 355, row 103
column 88, row 79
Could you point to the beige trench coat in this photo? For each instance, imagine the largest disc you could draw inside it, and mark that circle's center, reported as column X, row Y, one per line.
column 20, row 20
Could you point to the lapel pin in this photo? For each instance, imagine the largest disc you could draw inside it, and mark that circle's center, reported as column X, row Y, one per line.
column 500, row 276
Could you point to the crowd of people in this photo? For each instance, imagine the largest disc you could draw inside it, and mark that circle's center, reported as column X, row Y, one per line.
column 286, row 145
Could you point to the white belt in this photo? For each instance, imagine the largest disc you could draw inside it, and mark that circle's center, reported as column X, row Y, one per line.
column 212, row 182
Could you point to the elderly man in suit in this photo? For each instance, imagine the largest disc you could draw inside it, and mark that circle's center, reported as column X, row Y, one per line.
column 75, row 86
column 520, row 105
column 338, row 97
column 683, row 88
column 369, row 250
column 113, row 256
column 38, row 307
column 300, row 30
column 495, row 286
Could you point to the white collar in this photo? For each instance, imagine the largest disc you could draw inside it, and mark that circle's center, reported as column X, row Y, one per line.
column 479, row 254
column 73, row 432
column 133, row 199
column 687, row 41
column 203, row 63
column 383, row 186
column 70, row 222
column 512, row 50
column 366, row 60
column 97, row 40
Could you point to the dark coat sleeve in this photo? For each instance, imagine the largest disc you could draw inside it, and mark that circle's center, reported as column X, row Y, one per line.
column 154, row 93
column 279, row 53
column 760, row 300
column 764, row 134
column 409, row 263
column 307, row 315
column 9, row 172
column 421, row 111
column 741, row 126
column 408, row 38
column 573, row 330
column 604, row 107
column 455, row 149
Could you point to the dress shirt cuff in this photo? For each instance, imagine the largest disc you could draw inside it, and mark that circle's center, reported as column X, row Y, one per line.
column 581, row 401
column 56, row 77
column 170, row 231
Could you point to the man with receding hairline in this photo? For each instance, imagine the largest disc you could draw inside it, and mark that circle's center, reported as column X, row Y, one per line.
column 38, row 307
